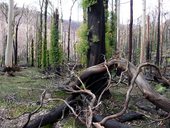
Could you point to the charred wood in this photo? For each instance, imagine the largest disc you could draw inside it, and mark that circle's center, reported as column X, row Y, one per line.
column 109, row 123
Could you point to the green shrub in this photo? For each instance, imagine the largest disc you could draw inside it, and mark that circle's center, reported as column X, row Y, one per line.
column 82, row 45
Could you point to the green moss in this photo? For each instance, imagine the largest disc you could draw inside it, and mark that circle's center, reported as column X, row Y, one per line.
column 95, row 39
column 119, row 97
column 71, row 122
column 56, row 53
column 60, row 94
column 88, row 3
column 48, row 126
column 159, row 88
column 110, row 34
column 167, row 93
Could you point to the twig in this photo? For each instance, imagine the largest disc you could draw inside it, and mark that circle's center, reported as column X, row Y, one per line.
column 86, row 91
column 71, row 108
column 157, row 120
column 157, row 68
column 126, row 101
column 109, row 81
column 36, row 110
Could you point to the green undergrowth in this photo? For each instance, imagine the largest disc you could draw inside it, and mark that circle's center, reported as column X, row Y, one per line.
column 22, row 93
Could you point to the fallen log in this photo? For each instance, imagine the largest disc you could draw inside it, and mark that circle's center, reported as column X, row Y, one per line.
column 109, row 123
column 130, row 116
column 151, row 110
column 51, row 117
column 149, row 93
column 121, row 65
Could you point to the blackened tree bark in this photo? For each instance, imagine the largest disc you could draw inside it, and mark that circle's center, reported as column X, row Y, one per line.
column 158, row 34
column 32, row 52
column 40, row 33
column 16, row 37
column 44, row 49
column 148, row 42
column 96, row 37
column 16, row 46
column 96, row 51
column 105, row 2
column 130, row 30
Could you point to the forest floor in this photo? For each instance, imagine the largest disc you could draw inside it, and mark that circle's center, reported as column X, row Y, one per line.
column 22, row 93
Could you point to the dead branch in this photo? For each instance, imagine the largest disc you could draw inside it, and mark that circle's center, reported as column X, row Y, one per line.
column 108, row 123
column 127, row 98
column 109, row 82
column 36, row 110
column 52, row 116
column 150, row 94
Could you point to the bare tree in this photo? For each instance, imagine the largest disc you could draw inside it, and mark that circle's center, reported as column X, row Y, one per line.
column 4, row 42
column 69, row 30
column 44, row 46
column 118, row 24
column 4, row 10
column 142, row 51
column 61, row 26
column 158, row 36
column 130, row 30
column 41, row 3
column 148, row 40
column 17, row 23
column 30, row 22
column 8, row 53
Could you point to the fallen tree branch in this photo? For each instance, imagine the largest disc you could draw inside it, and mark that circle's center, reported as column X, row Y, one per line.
column 51, row 117
column 127, row 98
column 108, row 124
column 150, row 94
column 130, row 116
column 36, row 110
column 165, row 81
column 100, row 69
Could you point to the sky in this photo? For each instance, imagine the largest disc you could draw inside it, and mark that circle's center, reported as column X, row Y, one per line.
column 124, row 8
column 151, row 5
column 66, row 5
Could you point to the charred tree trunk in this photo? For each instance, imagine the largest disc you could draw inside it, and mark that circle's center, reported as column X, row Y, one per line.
column 40, row 39
column 44, row 46
column 105, row 2
column 51, row 117
column 16, row 46
column 96, row 37
column 158, row 36
column 130, row 30
column 32, row 53
column 16, row 39
column 148, row 41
